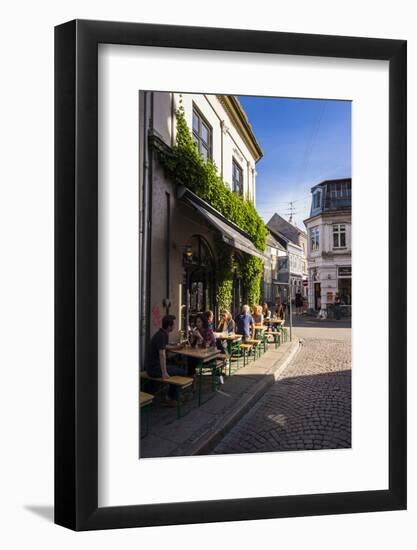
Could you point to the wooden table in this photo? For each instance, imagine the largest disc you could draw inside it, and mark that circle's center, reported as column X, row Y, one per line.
column 204, row 356
column 274, row 321
column 229, row 338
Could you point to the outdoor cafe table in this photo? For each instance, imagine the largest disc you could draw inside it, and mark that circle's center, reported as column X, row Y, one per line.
column 229, row 338
column 203, row 356
column 274, row 321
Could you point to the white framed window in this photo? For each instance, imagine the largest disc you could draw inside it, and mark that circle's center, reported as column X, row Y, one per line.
column 341, row 190
column 237, row 178
column 339, row 235
column 344, row 272
column 202, row 134
column 315, row 238
column 316, row 199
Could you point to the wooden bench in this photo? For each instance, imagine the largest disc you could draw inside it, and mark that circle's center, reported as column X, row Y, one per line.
column 145, row 401
column 222, row 361
column 284, row 331
column 256, row 344
column 247, row 348
column 180, row 383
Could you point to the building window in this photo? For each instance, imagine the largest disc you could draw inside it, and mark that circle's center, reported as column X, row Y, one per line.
column 237, row 175
column 339, row 236
column 202, row 134
column 316, row 199
column 314, row 238
column 344, row 284
column 341, row 190
column 345, row 271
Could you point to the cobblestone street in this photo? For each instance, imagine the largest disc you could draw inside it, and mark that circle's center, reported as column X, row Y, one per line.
column 309, row 407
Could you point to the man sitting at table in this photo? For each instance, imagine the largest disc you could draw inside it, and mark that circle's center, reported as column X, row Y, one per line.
column 156, row 362
column 245, row 325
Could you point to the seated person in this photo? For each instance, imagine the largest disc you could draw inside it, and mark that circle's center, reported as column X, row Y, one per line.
column 279, row 311
column 202, row 335
column 258, row 316
column 266, row 312
column 156, row 362
column 209, row 317
column 226, row 323
column 245, row 325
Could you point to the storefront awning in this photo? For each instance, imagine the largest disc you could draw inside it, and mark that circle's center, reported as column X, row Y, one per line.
column 230, row 232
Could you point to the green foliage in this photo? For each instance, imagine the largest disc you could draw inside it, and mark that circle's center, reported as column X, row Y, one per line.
column 224, row 276
column 224, row 293
column 185, row 166
column 251, row 279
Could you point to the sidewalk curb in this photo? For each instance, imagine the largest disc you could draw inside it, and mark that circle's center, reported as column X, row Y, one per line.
column 207, row 441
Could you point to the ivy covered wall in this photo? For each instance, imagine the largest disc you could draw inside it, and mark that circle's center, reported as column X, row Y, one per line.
column 184, row 165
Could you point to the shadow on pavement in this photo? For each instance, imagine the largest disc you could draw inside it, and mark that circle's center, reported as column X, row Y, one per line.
column 298, row 413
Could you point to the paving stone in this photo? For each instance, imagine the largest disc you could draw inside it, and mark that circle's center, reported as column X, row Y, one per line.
column 308, row 407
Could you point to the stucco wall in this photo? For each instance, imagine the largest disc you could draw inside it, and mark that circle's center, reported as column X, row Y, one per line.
column 185, row 223
column 323, row 263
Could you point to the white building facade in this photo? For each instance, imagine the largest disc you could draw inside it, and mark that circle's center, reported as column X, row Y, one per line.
column 292, row 266
column 330, row 245
column 274, row 253
column 221, row 130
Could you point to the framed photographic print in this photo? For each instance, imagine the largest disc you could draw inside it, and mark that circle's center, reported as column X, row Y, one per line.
column 230, row 338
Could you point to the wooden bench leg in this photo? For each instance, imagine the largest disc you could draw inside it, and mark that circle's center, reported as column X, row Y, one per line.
column 178, row 398
column 199, row 382
column 144, row 414
column 179, row 394
column 214, row 373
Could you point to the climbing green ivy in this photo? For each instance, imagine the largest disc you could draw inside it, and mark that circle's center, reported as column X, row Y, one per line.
column 251, row 279
column 185, row 166
column 224, row 275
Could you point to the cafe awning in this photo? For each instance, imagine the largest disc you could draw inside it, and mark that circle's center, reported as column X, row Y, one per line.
column 230, row 232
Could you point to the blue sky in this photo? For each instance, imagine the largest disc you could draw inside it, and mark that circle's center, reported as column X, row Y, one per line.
column 304, row 141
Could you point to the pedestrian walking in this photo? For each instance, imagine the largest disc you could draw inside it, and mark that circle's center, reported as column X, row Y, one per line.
column 279, row 311
column 298, row 303
column 337, row 308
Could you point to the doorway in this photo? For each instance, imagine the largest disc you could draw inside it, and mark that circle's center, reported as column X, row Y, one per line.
column 198, row 283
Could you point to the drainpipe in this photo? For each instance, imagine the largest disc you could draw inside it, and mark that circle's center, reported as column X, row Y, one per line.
column 143, row 232
column 148, row 218
column 168, row 253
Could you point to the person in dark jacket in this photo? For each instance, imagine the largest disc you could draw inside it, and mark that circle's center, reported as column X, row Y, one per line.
column 156, row 364
column 298, row 303
column 337, row 308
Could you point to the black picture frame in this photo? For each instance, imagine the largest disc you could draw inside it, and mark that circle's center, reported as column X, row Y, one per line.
column 76, row 271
